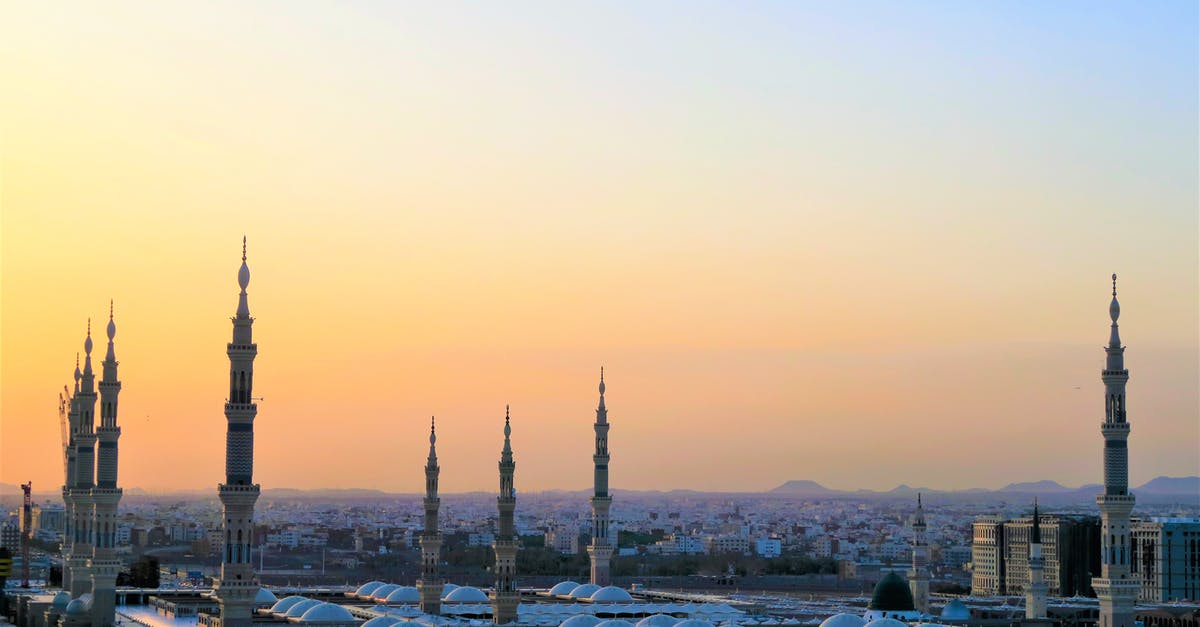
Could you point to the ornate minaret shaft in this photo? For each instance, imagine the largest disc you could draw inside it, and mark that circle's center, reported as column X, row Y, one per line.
column 70, row 561
column 85, row 469
column 600, row 550
column 1035, row 593
column 106, row 495
column 238, row 584
column 505, row 598
column 918, row 577
column 430, row 584
column 1116, row 588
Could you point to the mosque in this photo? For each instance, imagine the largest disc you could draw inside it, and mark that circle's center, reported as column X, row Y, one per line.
column 90, row 491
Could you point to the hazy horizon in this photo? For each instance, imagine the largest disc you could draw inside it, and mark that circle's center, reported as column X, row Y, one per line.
column 860, row 244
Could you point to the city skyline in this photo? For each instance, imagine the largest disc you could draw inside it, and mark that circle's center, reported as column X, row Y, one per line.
column 783, row 283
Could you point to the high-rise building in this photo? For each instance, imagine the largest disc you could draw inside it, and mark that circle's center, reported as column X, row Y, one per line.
column 918, row 577
column 1070, row 548
column 1116, row 587
column 1165, row 557
column 987, row 556
column 505, row 598
column 429, row 586
column 238, row 583
column 601, row 549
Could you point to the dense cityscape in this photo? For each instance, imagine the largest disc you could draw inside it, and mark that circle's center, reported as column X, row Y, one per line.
column 798, row 555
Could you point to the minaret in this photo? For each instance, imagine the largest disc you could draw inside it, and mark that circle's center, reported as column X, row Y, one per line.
column 918, row 577
column 1116, row 588
column 600, row 550
column 69, row 482
column 85, row 472
column 238, row 584
column 1035, row 592
column 106, row 495
column 430, row 584
column 505, row 598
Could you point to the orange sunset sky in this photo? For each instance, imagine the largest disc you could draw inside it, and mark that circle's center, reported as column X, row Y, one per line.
column 864, row 244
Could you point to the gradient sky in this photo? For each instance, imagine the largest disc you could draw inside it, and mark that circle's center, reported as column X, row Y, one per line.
column 860, row 243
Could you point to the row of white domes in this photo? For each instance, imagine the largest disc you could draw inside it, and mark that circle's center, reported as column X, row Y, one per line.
column 955, row 610
column 311, row 610
column 590, row 591
column 381, row 592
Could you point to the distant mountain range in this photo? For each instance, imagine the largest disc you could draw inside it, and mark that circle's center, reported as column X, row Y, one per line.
column 1159, row 486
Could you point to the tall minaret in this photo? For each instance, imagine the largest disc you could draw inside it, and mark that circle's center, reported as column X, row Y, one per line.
column 69, row 559
column 85, row 473
column 505, row 598
column 918, row 577
column 238, row 584
column 106, row 495
column 1035, row 592
column 430, row 585
column 1115, row 588
column 600, row 550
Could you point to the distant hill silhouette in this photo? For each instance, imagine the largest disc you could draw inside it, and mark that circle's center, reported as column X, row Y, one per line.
column 1171, row 485
column 803, row 487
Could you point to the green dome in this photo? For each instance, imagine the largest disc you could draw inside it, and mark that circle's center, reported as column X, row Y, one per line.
column 892, row 595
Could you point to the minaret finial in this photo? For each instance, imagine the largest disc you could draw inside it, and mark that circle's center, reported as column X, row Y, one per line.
column 244, row 249
column 1114, row 285
column 110, row 308
column 918, row 499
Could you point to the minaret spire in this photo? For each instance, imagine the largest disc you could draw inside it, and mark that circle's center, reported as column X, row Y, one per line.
column 85, row 473
column 1035, row 593
column 238, row 583
column 601, row 548
column 429, row 586
column 106, row 495
column 918, row 577
column 1116, row 588
column 505, row 598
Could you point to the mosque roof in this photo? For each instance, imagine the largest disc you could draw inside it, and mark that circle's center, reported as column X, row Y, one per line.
column 615, row 622
column 265, row 597
column 327, row 613
column 381, row 621
column 580, row 620
column 844, row 620
column 564, row 587
column 298, row 610
column 657, row 620
column 584, row 591
column 381, row 593
column 610, row 594
column 956, row 610
column 892, row 594
column 75, row 608
column 404, row 594
column 466, row 594
column 886, row 622
column 285, row 604
column 366, row 589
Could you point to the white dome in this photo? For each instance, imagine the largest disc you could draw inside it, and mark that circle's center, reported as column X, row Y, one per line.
column 404, row 594
column 75, row 608
column 658, row 620
column 409, row 623
column 86, row 597
column 583, row 591
column 466, row 594
column 610, row 594
column 617, row 623
column 564, row 587
column 693, row 622
column 327, row 613
column 61, row 599
column 366, row 589
column 844, row 620
column 956, row 610
column 580, row 620
column 298, row 610
column 886, row 622
column 286, row 604
column 265, row 597
column 447, row 588
column 383, row 591
column 381, row 621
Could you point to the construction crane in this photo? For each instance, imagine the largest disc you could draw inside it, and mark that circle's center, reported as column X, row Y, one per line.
column 26, row 531
column 62, row 424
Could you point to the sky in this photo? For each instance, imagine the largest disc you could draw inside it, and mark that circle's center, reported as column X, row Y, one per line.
column 860, row 243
